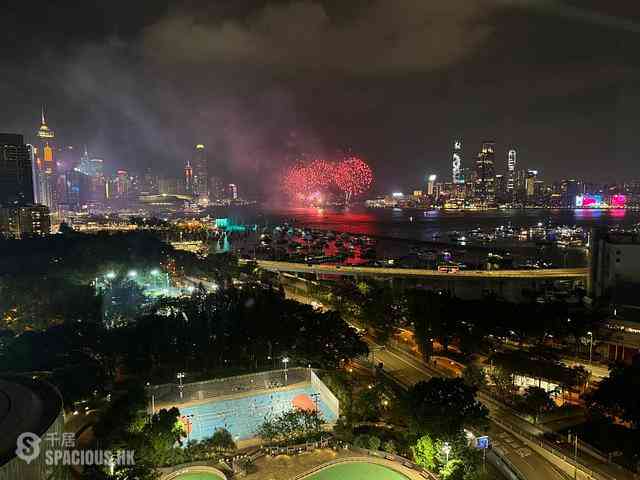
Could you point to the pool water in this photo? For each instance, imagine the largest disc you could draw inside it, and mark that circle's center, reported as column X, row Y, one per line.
column 243, row 416
column 357, row 471
column 198, row 476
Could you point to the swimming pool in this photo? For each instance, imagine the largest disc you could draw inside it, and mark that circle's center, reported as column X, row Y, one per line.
column 243, row 416
column 357, row 471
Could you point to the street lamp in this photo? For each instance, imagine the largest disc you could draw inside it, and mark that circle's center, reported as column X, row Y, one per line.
column 132, row 274
column 446, row 449
column 155, row 272
column 180, row 376
column 285, row 361
column 590, row 345
column 111, row 275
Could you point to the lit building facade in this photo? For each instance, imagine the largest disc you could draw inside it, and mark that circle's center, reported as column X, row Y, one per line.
column 46, row 169
column 16, row 170
column 512, row 163
column 24, row 221
column 200, row 172
column 457, row 169
column 484, row 174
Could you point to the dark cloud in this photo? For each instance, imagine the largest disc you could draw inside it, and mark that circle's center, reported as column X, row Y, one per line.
column 261, row 81
column 389, row 36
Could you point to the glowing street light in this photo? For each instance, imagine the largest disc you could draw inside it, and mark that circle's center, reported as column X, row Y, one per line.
column 111, row 275
column 180, row 376
column 590, row 345
column 132, row 274
column 285, row 361
column 155, row 272
column 446, row 449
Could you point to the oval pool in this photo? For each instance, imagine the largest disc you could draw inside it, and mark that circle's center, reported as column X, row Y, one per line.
column 357, row 471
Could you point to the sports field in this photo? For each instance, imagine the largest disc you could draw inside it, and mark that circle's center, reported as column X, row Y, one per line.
column 243, row 416
column 357, row 471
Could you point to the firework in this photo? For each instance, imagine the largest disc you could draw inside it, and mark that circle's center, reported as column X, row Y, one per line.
column 309, row 182
column 353, row 176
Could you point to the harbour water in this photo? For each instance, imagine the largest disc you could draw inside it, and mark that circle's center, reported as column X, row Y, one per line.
column 424, row 225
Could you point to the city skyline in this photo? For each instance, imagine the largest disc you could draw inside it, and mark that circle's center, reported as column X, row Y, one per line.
column 115, row 85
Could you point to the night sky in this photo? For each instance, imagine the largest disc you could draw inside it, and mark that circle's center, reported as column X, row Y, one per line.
column 142, row 81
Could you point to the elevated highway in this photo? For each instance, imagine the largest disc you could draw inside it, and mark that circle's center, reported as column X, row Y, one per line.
column 542, row 274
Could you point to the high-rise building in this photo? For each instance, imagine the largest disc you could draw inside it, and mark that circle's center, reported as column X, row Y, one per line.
column 431, row 181
column 91, row 166
column 188, row 178
column 457, row 170
column 233, row 191
column 16, row 170
column 530, row 182
column 200, row 172
column 501, row 183
column 484, row 175
column 23, row 221
column 511, row 170
column 46, row 171
column 120, row 186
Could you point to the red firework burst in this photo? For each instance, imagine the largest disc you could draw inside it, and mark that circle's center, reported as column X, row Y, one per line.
column 353, row 176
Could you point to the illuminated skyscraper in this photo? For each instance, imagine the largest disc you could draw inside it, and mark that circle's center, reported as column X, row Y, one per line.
column 16, row 170
column 511, row 170
column 458, row 175
column 484, row 175
column 46, row 181
column 188, row 177
column 233, row 191
column 92, row 167
column 200, row 172
column 431, row 181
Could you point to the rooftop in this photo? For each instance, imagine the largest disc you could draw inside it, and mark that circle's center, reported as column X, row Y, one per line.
column 26, row 405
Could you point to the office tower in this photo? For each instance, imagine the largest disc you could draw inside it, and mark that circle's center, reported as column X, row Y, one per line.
column 457, row 171
column 168, row 186
column 530, row 182
column 431, row 180
column 233, row 191
column 501, row 183
column 76, row 189
column 23, row 221
column 90, row 166
column 484, row 175
column 46, row 170
column 216, row 188
column 122, row 185
column 200, row 172
column 16, row 170
column 188, row 178
column 511, row 170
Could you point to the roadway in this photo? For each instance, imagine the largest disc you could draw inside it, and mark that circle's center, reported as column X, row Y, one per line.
column 531, row 465
column 542, row 274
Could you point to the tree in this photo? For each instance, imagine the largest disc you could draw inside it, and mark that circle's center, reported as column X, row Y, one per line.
column 374, row 443
column 222, row 440
column 425, row 452
column 454, row 470
column 390, row 447
column 614, row 396
column 291, row 427
column 474, row 376
column 442, row 406
column 380, row 310
column 536, row 401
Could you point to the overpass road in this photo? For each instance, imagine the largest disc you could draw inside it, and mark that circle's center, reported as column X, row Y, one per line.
column 542, row 274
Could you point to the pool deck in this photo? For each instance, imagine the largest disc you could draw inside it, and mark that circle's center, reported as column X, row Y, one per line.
column 235, row 396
